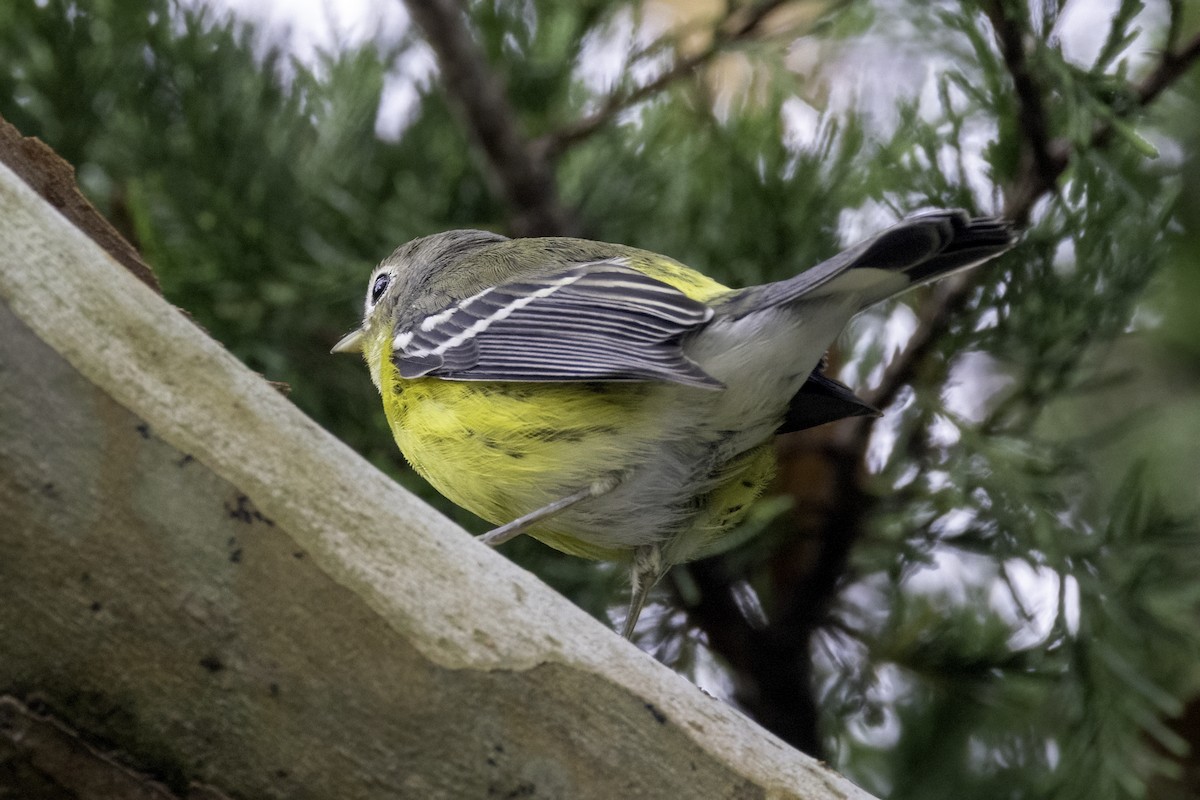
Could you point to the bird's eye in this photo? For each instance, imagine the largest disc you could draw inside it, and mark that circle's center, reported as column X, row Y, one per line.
column 379, row 287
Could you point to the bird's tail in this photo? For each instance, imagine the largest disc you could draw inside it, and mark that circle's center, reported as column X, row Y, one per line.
column 918, row 249
column 934, row 244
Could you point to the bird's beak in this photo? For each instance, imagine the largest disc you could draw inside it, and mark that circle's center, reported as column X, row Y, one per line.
column 350, row 343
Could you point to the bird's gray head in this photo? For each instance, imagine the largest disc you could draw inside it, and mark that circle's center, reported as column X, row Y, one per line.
column 419, row 278
column 425, row 274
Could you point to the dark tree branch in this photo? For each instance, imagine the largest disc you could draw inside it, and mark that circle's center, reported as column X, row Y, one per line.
column 771, row 668
column 942, row 307
column 739, row 24
column 814, row 561
column 1171, row 67
column 520, row 173
column 1039, row 164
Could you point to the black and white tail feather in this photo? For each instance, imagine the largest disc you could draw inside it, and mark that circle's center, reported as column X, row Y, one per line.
column 921, row 248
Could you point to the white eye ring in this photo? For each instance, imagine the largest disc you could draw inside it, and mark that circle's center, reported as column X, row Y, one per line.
column 379, row 287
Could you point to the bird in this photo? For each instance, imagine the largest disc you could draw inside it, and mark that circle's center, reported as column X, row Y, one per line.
column 610, row 401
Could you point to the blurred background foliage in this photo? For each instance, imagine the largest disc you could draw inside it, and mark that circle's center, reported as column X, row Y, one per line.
column 1005, row 604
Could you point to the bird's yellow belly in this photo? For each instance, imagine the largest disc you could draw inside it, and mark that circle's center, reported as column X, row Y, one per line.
column 503, row 449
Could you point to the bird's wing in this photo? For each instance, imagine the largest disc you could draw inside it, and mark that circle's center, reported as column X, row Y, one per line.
column 599, row 321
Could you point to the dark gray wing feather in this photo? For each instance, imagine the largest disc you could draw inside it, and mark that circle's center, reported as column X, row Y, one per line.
column 595, row 321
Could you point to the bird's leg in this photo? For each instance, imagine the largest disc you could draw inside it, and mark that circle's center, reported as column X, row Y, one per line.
column 519, row 525
column 648, row 568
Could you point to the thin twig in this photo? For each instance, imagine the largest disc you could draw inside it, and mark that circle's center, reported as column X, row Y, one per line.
column 947, row 299
column 738, row 24
column 1039, row 163
column 1171, row 67
column 520, row 172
